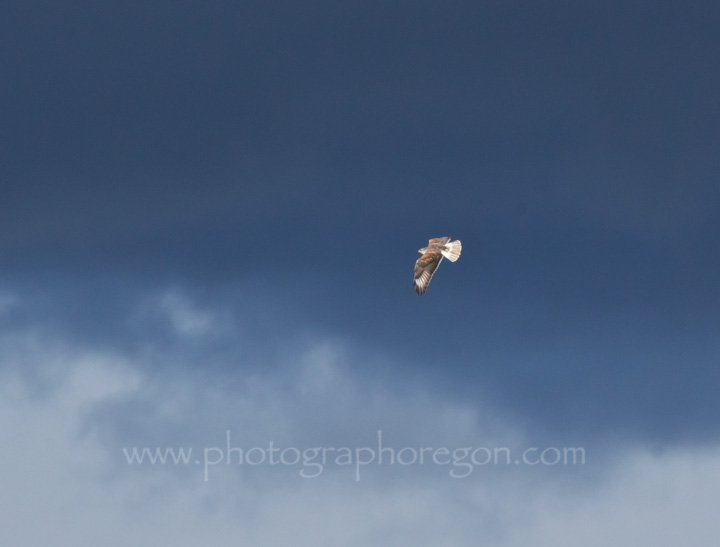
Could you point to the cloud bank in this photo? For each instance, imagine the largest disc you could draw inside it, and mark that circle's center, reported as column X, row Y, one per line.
column 67, row 412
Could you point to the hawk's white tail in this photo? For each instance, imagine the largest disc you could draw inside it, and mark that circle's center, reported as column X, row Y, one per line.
column 454, row 248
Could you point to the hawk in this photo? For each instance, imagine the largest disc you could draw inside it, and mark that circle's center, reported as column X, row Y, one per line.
column 432, row 255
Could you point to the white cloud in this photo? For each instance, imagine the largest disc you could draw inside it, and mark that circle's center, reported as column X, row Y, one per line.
column 647, row 500
column 184, row 316
column 65, row 422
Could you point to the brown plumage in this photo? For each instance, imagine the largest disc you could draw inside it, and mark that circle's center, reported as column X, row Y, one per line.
column 432, row 255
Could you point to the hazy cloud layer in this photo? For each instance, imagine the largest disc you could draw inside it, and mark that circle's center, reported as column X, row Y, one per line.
column 70, row 415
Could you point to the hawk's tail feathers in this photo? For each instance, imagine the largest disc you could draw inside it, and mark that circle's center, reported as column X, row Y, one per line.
column 454, row 248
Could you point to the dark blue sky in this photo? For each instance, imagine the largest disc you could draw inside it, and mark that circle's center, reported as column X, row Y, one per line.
column 277, row 164
column 308, row 150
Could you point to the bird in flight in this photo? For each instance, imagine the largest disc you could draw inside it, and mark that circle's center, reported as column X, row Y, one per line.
column 432, row 255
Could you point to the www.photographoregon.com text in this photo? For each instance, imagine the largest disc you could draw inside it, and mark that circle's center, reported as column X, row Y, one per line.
column 314, row 460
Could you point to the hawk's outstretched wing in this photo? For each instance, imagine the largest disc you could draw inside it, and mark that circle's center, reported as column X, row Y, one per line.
column 425, row 268
column 438, row 241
